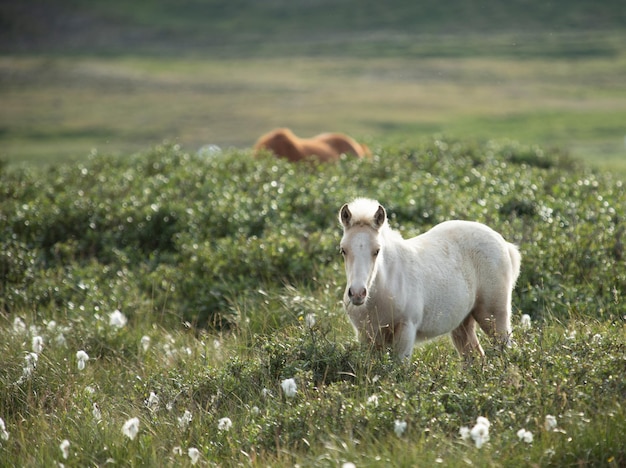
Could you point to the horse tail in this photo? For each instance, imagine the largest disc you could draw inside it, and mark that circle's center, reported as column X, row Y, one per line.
column 516, row 260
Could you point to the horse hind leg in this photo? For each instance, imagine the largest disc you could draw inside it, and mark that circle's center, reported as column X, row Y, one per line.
column 494, row 318
column 465, row 339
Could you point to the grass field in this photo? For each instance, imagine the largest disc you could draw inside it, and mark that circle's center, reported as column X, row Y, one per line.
column 57, row 108
column 181, row 290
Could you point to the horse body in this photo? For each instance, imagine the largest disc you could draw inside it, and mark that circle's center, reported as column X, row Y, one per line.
column 324, row 147
column 402, row 291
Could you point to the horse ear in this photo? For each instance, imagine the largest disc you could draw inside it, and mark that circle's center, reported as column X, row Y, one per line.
column 380, row 217
column 345, row 216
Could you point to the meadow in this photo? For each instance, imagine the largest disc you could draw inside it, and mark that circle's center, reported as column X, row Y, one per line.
column 186, row 291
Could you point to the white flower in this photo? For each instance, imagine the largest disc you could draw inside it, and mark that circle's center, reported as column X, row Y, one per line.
column 309, row 320
column 464, row 432
column 31, row 362
column 526, row 325
column 97, row 415
column 145, row 343
column 483, row 420
column 550, row 423
column 597, row 338
column 480, row 432
column 194, row 455
column 131, row 428
column 348, row 465
column 177, row 450
column 224, row 424
column 525, row 435
column 152, row 402
column 373, row 400
column 289, row 387
column 82, row 357
column 19, row 326
column 37, row 344
column 399, row 427
column 4, row 435
column 65, row 448
column 117, row 319
column 266, row 393
column 185, row 419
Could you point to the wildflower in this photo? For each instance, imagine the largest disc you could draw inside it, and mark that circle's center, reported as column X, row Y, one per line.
column 255, row 410
column 550, row 423
column 526, row 322
column 131, row 428
column 152, row 402
column 597, row 338
column 194, row 455
column 4, row 435
column 399, row 427
column 185, row 419
column 97, row 415
column 117, row 319
column 464, row 432
column 289, row 387
column 37, row 344
column 224, row 424
column 525, row 435
column 82, row 357
column 177, row 450
column 373, row 400
column 309, row 320
column 19, row 326
column 31, row 362
column 480, row 432
column 65, row 448
column 145, row 343
column 348, row 465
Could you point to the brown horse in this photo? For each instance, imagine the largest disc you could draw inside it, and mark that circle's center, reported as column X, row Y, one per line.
column 324, row 147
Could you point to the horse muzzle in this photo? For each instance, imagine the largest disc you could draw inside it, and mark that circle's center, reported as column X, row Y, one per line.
column 357, row 296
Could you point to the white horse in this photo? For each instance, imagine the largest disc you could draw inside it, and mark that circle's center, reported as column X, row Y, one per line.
column 400, row 291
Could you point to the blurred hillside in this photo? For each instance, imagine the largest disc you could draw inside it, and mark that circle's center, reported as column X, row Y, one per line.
column 284, row 26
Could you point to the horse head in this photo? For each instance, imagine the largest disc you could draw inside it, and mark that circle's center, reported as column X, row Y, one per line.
column 360, row 246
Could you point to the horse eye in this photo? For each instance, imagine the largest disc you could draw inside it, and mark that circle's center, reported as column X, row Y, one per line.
column 376, row 252
column 342, row 251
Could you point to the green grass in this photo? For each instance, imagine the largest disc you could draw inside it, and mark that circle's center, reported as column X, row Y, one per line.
column 221, row 260
column 56, row 108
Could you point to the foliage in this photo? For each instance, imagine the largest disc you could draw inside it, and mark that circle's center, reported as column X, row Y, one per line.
column 227, row 270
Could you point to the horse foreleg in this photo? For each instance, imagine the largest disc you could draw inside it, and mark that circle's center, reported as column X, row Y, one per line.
column 404, row 339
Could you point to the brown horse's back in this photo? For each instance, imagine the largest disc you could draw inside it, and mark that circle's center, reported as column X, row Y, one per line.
column 325, row 147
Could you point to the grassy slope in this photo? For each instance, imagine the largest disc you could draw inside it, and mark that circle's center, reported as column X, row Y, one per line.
column 171, row 238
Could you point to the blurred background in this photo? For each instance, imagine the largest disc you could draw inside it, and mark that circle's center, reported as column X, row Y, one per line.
column 78, row 76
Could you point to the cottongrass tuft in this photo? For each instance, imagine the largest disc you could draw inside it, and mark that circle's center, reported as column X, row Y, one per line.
column 117, row 319
column 185, row 419
column 224, row 424
column 526, row 322
column 97, row 414
column 37, row 344
column 131, row 428
column 82, row 357
column 4, row 435
column 152, row 402
column 145, row 343
column 525, row 436
column 479, row 433
column 194, row 455
column 65, row 448
column 289, row 387
column 399, row 427
column 550, row 423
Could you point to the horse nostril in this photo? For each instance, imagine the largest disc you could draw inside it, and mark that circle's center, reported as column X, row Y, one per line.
column 350, row 292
